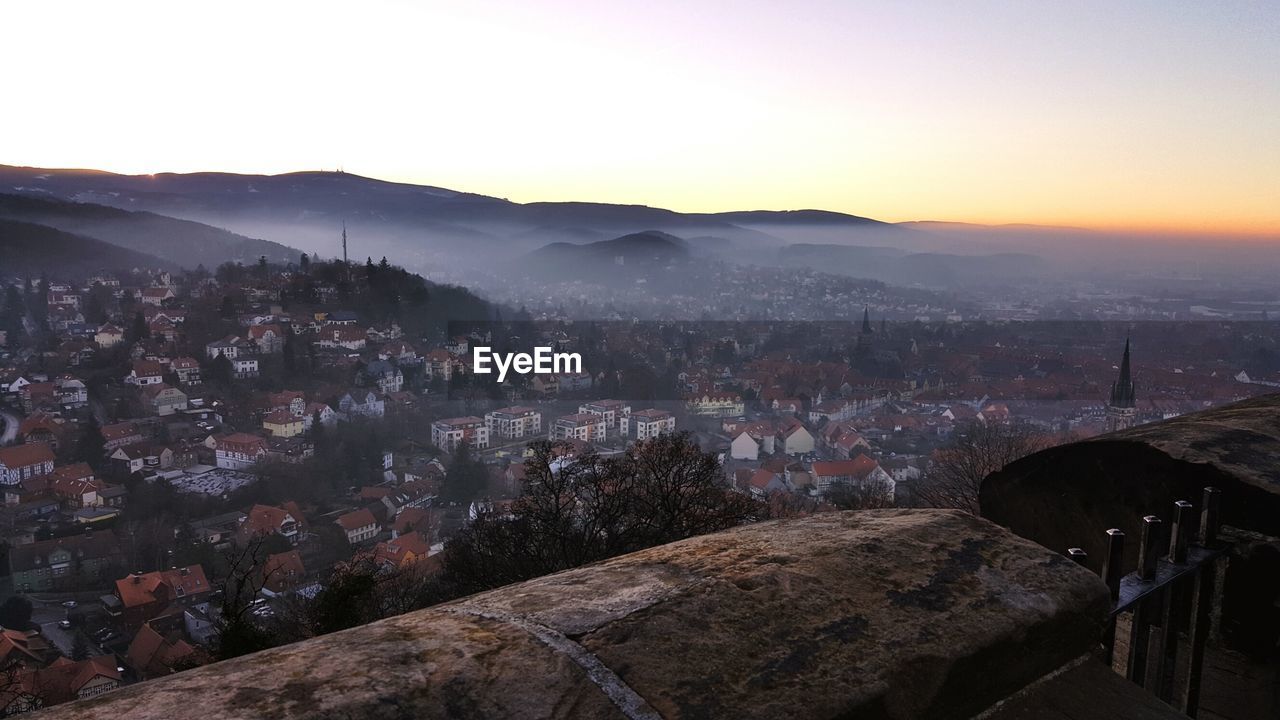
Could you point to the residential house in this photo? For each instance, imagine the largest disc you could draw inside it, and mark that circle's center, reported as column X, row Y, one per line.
column 282, row 423
column 409, row 550
column 795, row 439
column 143, row 596
column 231, row 347
column 313, row 410
column 108, row 336
column 156, row 296
column 282, row 572
column 72, row 392
column 286, row 521
column 163, row 399
column 387, row 377
column 716, row 404
column 399, row 352
column 269, row 337
column 441, row 365
column 753, row 439
column 244, row 367
column 76, row 486
column 136, row 458
column 187, row 369
column 238, row 451
column 145, row 372
column 19, row 462
column 862, row 472
column 61, row 682
column 359, row 525
column 64, row 563
column 154, row 654
column 762, row 482
column 118, row 435
column 290, row 449
column 42, row 427
column 346, row 337
column 362, row 402
column 37, row 395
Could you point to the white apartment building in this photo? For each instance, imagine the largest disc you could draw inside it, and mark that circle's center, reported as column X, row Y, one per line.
column 646, row 424
column 587, row 427
column 446, row 434
column 512, row 423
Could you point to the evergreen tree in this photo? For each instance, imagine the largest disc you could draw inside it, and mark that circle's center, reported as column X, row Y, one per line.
column 317, row 430
column 466, row 478
column 221, row 369
column 92, row 446
column 15, row 613
column 139, row 330
column 79, row 647
column 11, row 315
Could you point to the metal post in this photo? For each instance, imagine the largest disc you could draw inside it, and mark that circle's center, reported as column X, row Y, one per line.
column 1202, row 601
column 1111, row 576
column 1111, row 570
column 1136, row 668
column 1209, row 516
column 1147, row 552
column 1180, row 534
column 1168, row 660
column 1078, row 556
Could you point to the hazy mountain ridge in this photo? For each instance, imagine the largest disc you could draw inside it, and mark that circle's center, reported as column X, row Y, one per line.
column 307, row 210
column 179, row 242
column 430, row 228
column 29, row 248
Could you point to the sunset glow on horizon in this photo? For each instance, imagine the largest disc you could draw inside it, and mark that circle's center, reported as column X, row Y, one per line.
column 1147, row 116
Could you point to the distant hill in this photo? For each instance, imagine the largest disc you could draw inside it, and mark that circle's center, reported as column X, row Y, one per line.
column 422, row 225
column 179, row 242
column 642, row 253
column 28, row 248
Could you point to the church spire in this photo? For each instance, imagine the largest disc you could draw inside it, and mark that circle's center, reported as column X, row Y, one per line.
column 344, row 242
column 1122, row 395
column 866, row 320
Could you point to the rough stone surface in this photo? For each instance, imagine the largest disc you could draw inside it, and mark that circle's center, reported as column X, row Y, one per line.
column 879, row 614
column 1087, row 691
column 1069, row 495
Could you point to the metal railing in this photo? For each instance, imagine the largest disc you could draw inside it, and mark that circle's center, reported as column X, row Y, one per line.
column 1163, row 612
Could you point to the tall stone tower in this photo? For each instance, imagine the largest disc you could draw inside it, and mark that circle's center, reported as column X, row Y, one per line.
column 1121, row 410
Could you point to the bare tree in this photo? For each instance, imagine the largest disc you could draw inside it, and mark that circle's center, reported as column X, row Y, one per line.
column 868, row 494
column 591, row 508
column 955, row 473
column 239, row 632
column 17, row 694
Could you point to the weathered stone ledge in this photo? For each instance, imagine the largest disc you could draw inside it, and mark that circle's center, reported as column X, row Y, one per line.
column 879, row 614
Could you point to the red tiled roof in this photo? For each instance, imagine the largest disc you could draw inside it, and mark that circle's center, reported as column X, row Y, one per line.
column 26, row 455
column 356, row 519
column 859, row 467
column 136, row 590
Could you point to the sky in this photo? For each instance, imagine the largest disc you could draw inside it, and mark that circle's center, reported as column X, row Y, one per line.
column 1160, row 115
